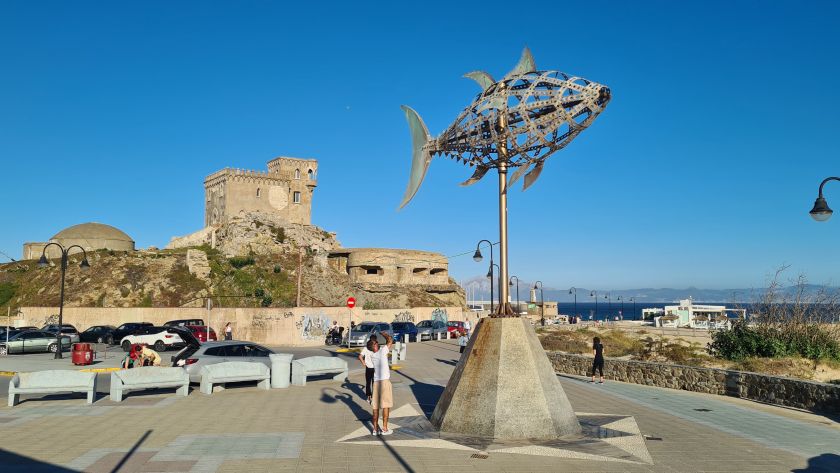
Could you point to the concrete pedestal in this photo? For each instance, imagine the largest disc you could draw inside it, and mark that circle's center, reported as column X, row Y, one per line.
column 504, row 387
column 281, row 369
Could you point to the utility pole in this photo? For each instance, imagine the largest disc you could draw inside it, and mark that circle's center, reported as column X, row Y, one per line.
column 299, row 275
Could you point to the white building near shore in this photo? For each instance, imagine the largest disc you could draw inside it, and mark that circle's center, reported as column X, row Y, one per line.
column 689, row 314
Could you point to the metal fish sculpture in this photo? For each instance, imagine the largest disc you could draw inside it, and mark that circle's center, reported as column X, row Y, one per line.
column 516, row 122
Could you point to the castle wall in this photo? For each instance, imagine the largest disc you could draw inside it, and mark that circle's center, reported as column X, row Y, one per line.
column 391, row 266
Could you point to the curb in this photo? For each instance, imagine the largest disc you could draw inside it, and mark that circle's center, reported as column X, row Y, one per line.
column 8, row 373
column 348, row 350
column 100, row 370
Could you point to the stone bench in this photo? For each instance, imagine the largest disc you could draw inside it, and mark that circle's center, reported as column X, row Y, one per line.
column 148, row 377
column 51, row 382
column 316, row 365
column 232, row 372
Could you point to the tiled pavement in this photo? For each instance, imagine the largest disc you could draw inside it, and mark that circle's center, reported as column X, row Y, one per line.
column 297, row 429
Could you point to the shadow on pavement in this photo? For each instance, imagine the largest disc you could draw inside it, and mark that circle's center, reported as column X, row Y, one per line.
column 331, row 395
column 129, row 453
column 447, row 362
column 14, row 463
column 427, row 395
column 825, row 463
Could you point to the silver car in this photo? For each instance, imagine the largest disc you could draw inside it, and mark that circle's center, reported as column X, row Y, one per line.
column 32, row 341
column 361, row 333
column 194, row 356
column 429, row 330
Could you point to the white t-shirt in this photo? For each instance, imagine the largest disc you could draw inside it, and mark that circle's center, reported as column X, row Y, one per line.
column 380, row 364
column 367, row 355
column 467, row 325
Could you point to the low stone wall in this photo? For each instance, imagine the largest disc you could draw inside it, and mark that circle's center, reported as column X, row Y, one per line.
column 817, row 397
column 298, row 326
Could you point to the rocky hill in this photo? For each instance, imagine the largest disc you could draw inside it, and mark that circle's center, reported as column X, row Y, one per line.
column 252, row 261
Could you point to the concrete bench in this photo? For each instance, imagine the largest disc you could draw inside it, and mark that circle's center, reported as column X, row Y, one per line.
column 316, row 365
column 51, row 382
column 148, row 377
column 232, row 372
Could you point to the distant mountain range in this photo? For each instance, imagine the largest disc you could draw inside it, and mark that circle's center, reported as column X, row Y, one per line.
column 478, row 288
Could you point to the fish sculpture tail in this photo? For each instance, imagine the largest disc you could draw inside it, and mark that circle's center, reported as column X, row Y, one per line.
column 420, row 155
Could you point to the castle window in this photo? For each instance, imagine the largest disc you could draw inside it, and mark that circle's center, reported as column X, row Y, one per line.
column 310, row 174
column 297, row 173
column 296, row 197
column 258, row 192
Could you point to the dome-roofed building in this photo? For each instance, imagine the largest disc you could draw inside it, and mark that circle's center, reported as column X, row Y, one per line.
column 90, row 236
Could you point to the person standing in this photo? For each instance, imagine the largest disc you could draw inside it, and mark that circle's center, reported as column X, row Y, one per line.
column 598, row 351
column 228, row 332
column 366, row 358
column 467, row 327
column 383, row 396
column 462, row 341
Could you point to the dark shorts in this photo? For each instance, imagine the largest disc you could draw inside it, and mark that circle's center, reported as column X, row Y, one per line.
column 599, row 365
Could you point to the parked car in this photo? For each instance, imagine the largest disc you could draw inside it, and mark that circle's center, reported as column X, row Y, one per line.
column 454, row 328
column 12, row 332
column 401, row 329
column 66, row 329
column 128, row 329
column 99, row 334
column 183, row 322
column 160, row 338
column 32, row 341
column 195, row 356
column 361, row 333
column 25, row 328
column 429, row 329
column 200, row 332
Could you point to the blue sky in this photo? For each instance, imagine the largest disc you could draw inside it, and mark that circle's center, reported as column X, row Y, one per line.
column 700, row 172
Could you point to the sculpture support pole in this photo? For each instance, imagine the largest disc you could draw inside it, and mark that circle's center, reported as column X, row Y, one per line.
column 504, row 290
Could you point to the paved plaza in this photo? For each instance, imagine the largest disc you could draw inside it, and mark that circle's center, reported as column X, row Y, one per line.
column 324, row 427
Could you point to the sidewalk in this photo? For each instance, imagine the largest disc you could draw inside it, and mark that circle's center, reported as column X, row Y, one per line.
column 323, row 427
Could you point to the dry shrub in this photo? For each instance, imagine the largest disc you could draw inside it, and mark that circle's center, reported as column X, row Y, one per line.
column 792, row 367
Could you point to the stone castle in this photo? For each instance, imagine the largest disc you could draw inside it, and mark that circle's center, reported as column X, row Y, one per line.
column 284, row 190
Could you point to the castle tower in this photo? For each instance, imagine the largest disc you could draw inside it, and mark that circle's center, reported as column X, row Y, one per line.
column 285, row 190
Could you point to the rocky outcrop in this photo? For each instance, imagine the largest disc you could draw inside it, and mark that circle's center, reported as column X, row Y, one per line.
column 198, row 265
column 813, row 396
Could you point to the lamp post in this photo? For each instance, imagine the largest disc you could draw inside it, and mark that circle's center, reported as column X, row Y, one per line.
column 821, row 212
column 542, row 303
column 574, row 291
column 517, row 291
column 608, row 297
column 83, row 265
column 477, row 258
column 633, row 300
column 595, row 295
column 490, row 277
column 622, row 307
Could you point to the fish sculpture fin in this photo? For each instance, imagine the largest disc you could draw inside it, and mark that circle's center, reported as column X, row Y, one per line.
column 532, row 176
column 480, row 171
column 484, row 79
column 517, row 174
column 420, row 156
column 526, row 64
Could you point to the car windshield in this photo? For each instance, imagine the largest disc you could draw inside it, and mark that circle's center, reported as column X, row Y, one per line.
column 454, row 324
column 365, row 327
column 425, row 323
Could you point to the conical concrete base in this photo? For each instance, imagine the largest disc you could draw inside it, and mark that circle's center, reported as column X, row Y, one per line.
column 504, row 387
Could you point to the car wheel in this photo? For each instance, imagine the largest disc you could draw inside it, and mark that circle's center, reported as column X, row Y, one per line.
column 52, row 348
column 98, row 339
column 160, row 346
column 4, row 351
column 126, row 346
column 109, row 340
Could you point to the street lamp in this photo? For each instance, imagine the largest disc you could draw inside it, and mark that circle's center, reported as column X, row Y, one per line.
column 542, row 304
column 608, row 297
column 574, row 291
column 83, row 265
column 622, row 307
column 821, row 212
column 477, row 258
column 490, row 277
column 595, row 295
column 517, row 291
column 633, row 300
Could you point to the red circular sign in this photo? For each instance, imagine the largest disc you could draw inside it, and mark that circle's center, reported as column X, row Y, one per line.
column 351, row 302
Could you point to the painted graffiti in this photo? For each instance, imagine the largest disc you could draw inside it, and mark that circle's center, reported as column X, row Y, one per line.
column 313, row 327
column 260, row 320
column 440, row 314
column 51, row 320
column 404, row 316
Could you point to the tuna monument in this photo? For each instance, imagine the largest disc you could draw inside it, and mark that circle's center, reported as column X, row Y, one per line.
column 504, row 386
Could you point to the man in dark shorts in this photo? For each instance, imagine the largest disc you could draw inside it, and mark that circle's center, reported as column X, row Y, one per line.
column 598, row 351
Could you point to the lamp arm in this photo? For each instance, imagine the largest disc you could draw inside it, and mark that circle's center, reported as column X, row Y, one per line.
column 825, row 181
column 44, row 249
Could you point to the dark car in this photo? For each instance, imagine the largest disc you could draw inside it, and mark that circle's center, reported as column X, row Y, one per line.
column 183, row 322
column 99, row 334
column 401, row 329
column 128, row 329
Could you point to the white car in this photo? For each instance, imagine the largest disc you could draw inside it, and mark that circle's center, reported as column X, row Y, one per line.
column 159, row 338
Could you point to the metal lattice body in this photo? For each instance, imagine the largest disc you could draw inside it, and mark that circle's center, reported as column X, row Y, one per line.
column 517, row 122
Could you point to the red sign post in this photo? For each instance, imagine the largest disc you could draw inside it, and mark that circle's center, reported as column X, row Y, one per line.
column 351, row 302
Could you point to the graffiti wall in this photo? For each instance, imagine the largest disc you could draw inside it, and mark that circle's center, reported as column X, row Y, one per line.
column 404, row 316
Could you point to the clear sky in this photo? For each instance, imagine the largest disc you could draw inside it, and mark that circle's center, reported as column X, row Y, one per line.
column 700, row 172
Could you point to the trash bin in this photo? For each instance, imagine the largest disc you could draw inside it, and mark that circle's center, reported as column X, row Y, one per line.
column 82, row 354
column 281, row 369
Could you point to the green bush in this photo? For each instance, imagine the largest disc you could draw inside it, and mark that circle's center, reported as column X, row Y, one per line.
column 240, row 262
column 743, row 341
column 7, row 291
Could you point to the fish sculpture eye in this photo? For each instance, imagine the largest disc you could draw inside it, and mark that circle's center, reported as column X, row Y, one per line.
column 516, row 122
